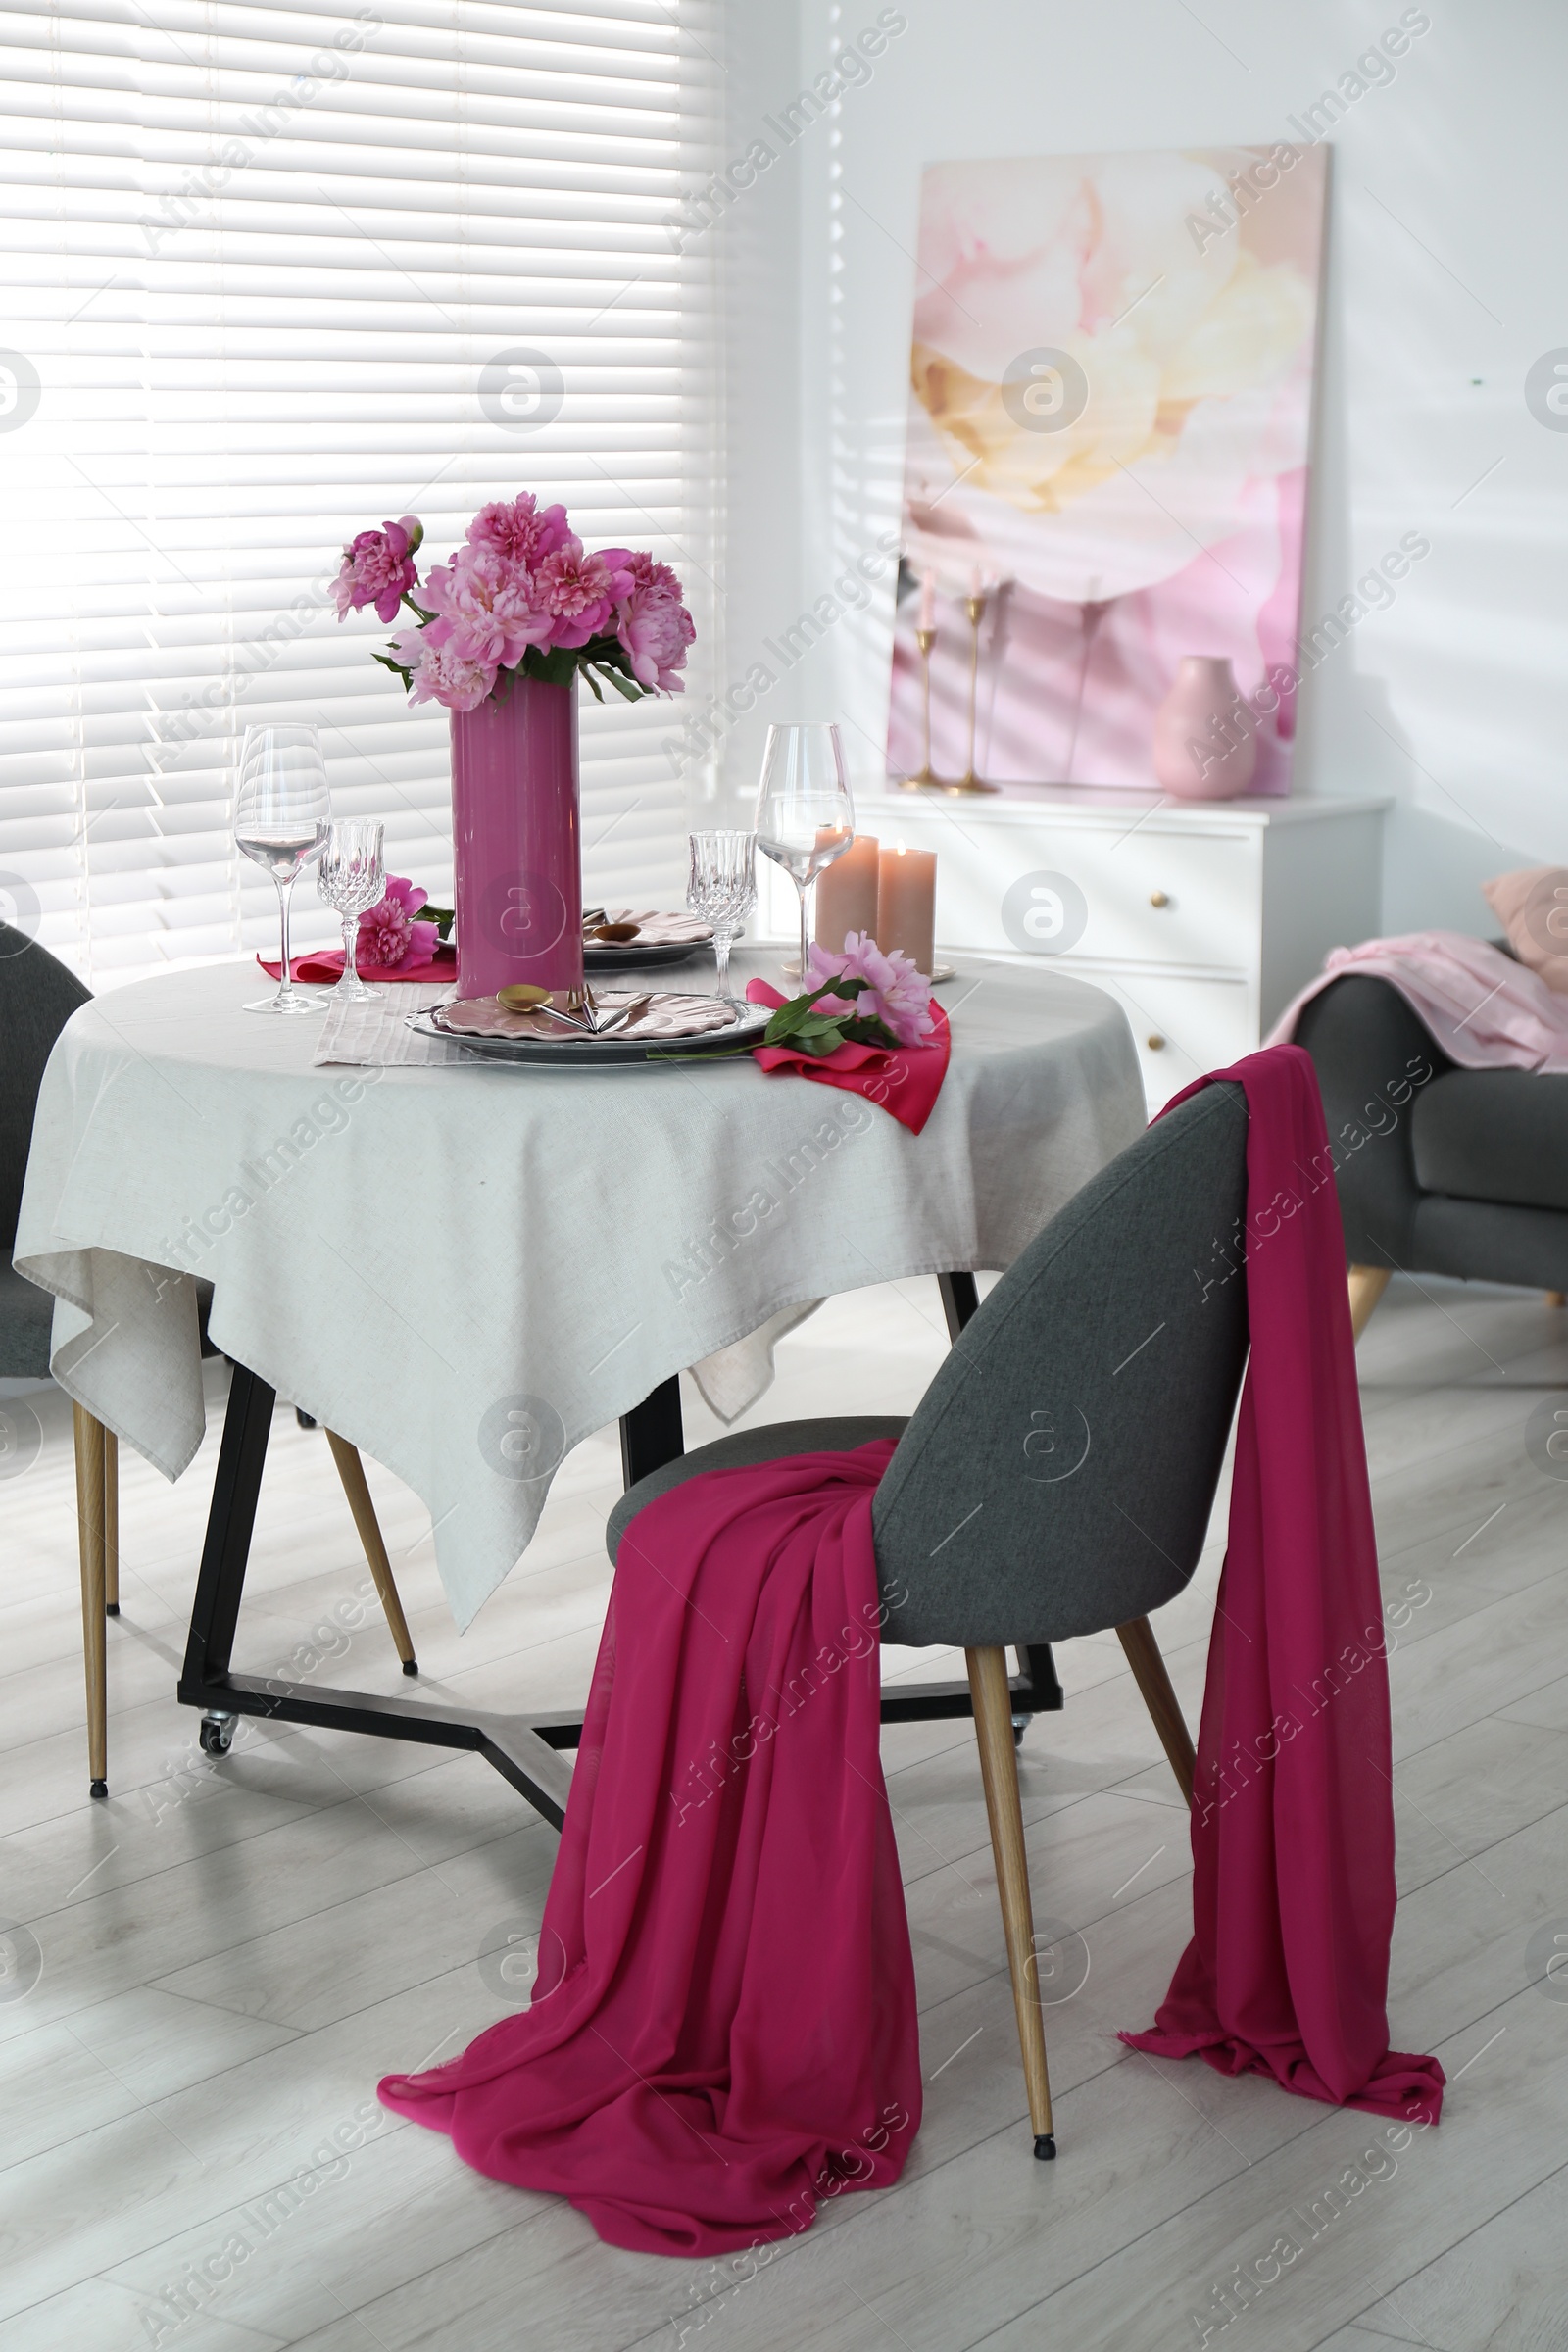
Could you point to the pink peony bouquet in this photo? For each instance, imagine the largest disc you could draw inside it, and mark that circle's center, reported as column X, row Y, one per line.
column 862, row 996
column 523, row 593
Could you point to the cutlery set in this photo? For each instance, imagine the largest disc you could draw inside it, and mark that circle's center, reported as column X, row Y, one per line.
column 583, row 1015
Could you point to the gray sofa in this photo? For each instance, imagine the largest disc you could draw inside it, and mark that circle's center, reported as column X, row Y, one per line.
column 1440, row 1171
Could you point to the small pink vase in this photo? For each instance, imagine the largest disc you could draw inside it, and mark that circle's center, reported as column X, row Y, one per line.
column 516, row 840
column 1205, row 738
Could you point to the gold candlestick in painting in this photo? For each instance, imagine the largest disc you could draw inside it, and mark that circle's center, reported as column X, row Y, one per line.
column 970, row 781
column 926, row 639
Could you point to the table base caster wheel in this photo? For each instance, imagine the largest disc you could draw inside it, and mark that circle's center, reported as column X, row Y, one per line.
column 1020, row 1724
column 217, row 1733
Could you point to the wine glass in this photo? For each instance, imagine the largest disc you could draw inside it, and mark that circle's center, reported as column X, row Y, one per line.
column 352, row 878
column 723, row 890
column 281, row 816
column 805, row 815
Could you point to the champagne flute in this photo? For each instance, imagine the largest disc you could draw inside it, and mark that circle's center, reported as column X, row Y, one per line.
column 805, row 815
column 352, row 878
column 280, row 817
column 723, row 890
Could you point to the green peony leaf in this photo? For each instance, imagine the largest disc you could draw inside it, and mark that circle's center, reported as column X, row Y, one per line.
column 800, row 1025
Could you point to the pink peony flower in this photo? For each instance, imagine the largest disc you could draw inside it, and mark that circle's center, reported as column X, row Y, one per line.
column 581, row 591
column 521, row 531
column 652, row 622
column 377, row 567
column 486, row 608
column 898, row 994
column 388, row 934
column 441, row 674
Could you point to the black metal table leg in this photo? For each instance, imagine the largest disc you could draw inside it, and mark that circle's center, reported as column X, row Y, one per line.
column 959, row 1301
column 1039, row 1674
column 651, row 1433
column 231, row 1520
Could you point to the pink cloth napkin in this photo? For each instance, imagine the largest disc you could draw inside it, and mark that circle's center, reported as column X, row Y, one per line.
column 723, row 2026
column 905, row 1079
column 1292, row 1804
column 327, row 964
column 1485, row 1011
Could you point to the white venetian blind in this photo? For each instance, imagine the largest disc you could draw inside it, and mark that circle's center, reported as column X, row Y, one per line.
column 273, row 273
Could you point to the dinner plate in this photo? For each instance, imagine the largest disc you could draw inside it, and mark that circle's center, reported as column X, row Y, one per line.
column 663, row 940
column 555, row 1046
column 603, row 956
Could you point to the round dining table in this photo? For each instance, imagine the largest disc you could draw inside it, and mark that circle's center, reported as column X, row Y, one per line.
column 465, row 1266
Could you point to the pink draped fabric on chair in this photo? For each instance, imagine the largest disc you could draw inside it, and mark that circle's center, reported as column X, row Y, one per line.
column 723, row 2024
column 1293, row 1801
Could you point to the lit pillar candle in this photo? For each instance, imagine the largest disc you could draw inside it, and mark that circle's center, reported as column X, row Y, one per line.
column 846, row 893
column 907, row 904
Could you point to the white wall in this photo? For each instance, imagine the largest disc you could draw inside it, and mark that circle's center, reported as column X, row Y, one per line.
column 1445, row 282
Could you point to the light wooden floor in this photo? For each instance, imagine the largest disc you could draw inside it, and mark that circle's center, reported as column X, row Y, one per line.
column 233, row 1954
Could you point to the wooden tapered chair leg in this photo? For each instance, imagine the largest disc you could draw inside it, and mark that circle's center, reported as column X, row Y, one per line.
column 351, row 1470
column 1137, row 1638
column 1367, row 1286
column 991, row 1696
column 89, row 1437
column 110, row 1523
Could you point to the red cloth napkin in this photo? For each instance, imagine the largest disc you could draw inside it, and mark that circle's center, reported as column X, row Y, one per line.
column 723, row 2026
column 905, row 1079
column 1292, row 1805
column 326, row 963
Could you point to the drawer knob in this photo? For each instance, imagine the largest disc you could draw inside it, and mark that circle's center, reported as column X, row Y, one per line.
column 1159, row 898
column 1156, row 1044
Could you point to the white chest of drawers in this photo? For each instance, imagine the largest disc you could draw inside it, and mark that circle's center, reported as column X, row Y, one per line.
column 1203, row 919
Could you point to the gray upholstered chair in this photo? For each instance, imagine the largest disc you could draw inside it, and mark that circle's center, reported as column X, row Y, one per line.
column 1440, row 1170
column 37, row 997
column 1057, row 1475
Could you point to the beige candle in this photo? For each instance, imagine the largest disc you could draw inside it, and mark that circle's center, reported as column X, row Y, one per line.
column 846, row 893
column 907, row 904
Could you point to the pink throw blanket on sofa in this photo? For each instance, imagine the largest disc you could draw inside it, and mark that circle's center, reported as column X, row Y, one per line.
column 1485, row 1011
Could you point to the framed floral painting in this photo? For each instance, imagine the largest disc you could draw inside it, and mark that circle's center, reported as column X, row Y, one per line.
column 1109, row 426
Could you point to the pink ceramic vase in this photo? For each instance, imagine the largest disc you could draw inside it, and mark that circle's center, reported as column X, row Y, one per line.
column 516, row 840
column 1205, row 738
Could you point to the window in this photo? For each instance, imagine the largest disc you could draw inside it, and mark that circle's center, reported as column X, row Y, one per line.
column 275, row 272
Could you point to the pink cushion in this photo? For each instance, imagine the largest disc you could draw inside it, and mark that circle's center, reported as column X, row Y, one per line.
column 1532, row 905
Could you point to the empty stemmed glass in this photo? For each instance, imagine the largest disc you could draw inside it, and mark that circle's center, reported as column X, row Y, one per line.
column 723, row 890
column 280, row 817
column 805, row 815
column 352, row 878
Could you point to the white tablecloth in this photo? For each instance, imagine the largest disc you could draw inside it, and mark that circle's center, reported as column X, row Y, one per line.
column 465, row 1270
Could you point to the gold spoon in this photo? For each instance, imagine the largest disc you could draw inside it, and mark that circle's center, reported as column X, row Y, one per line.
column 521, row 995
